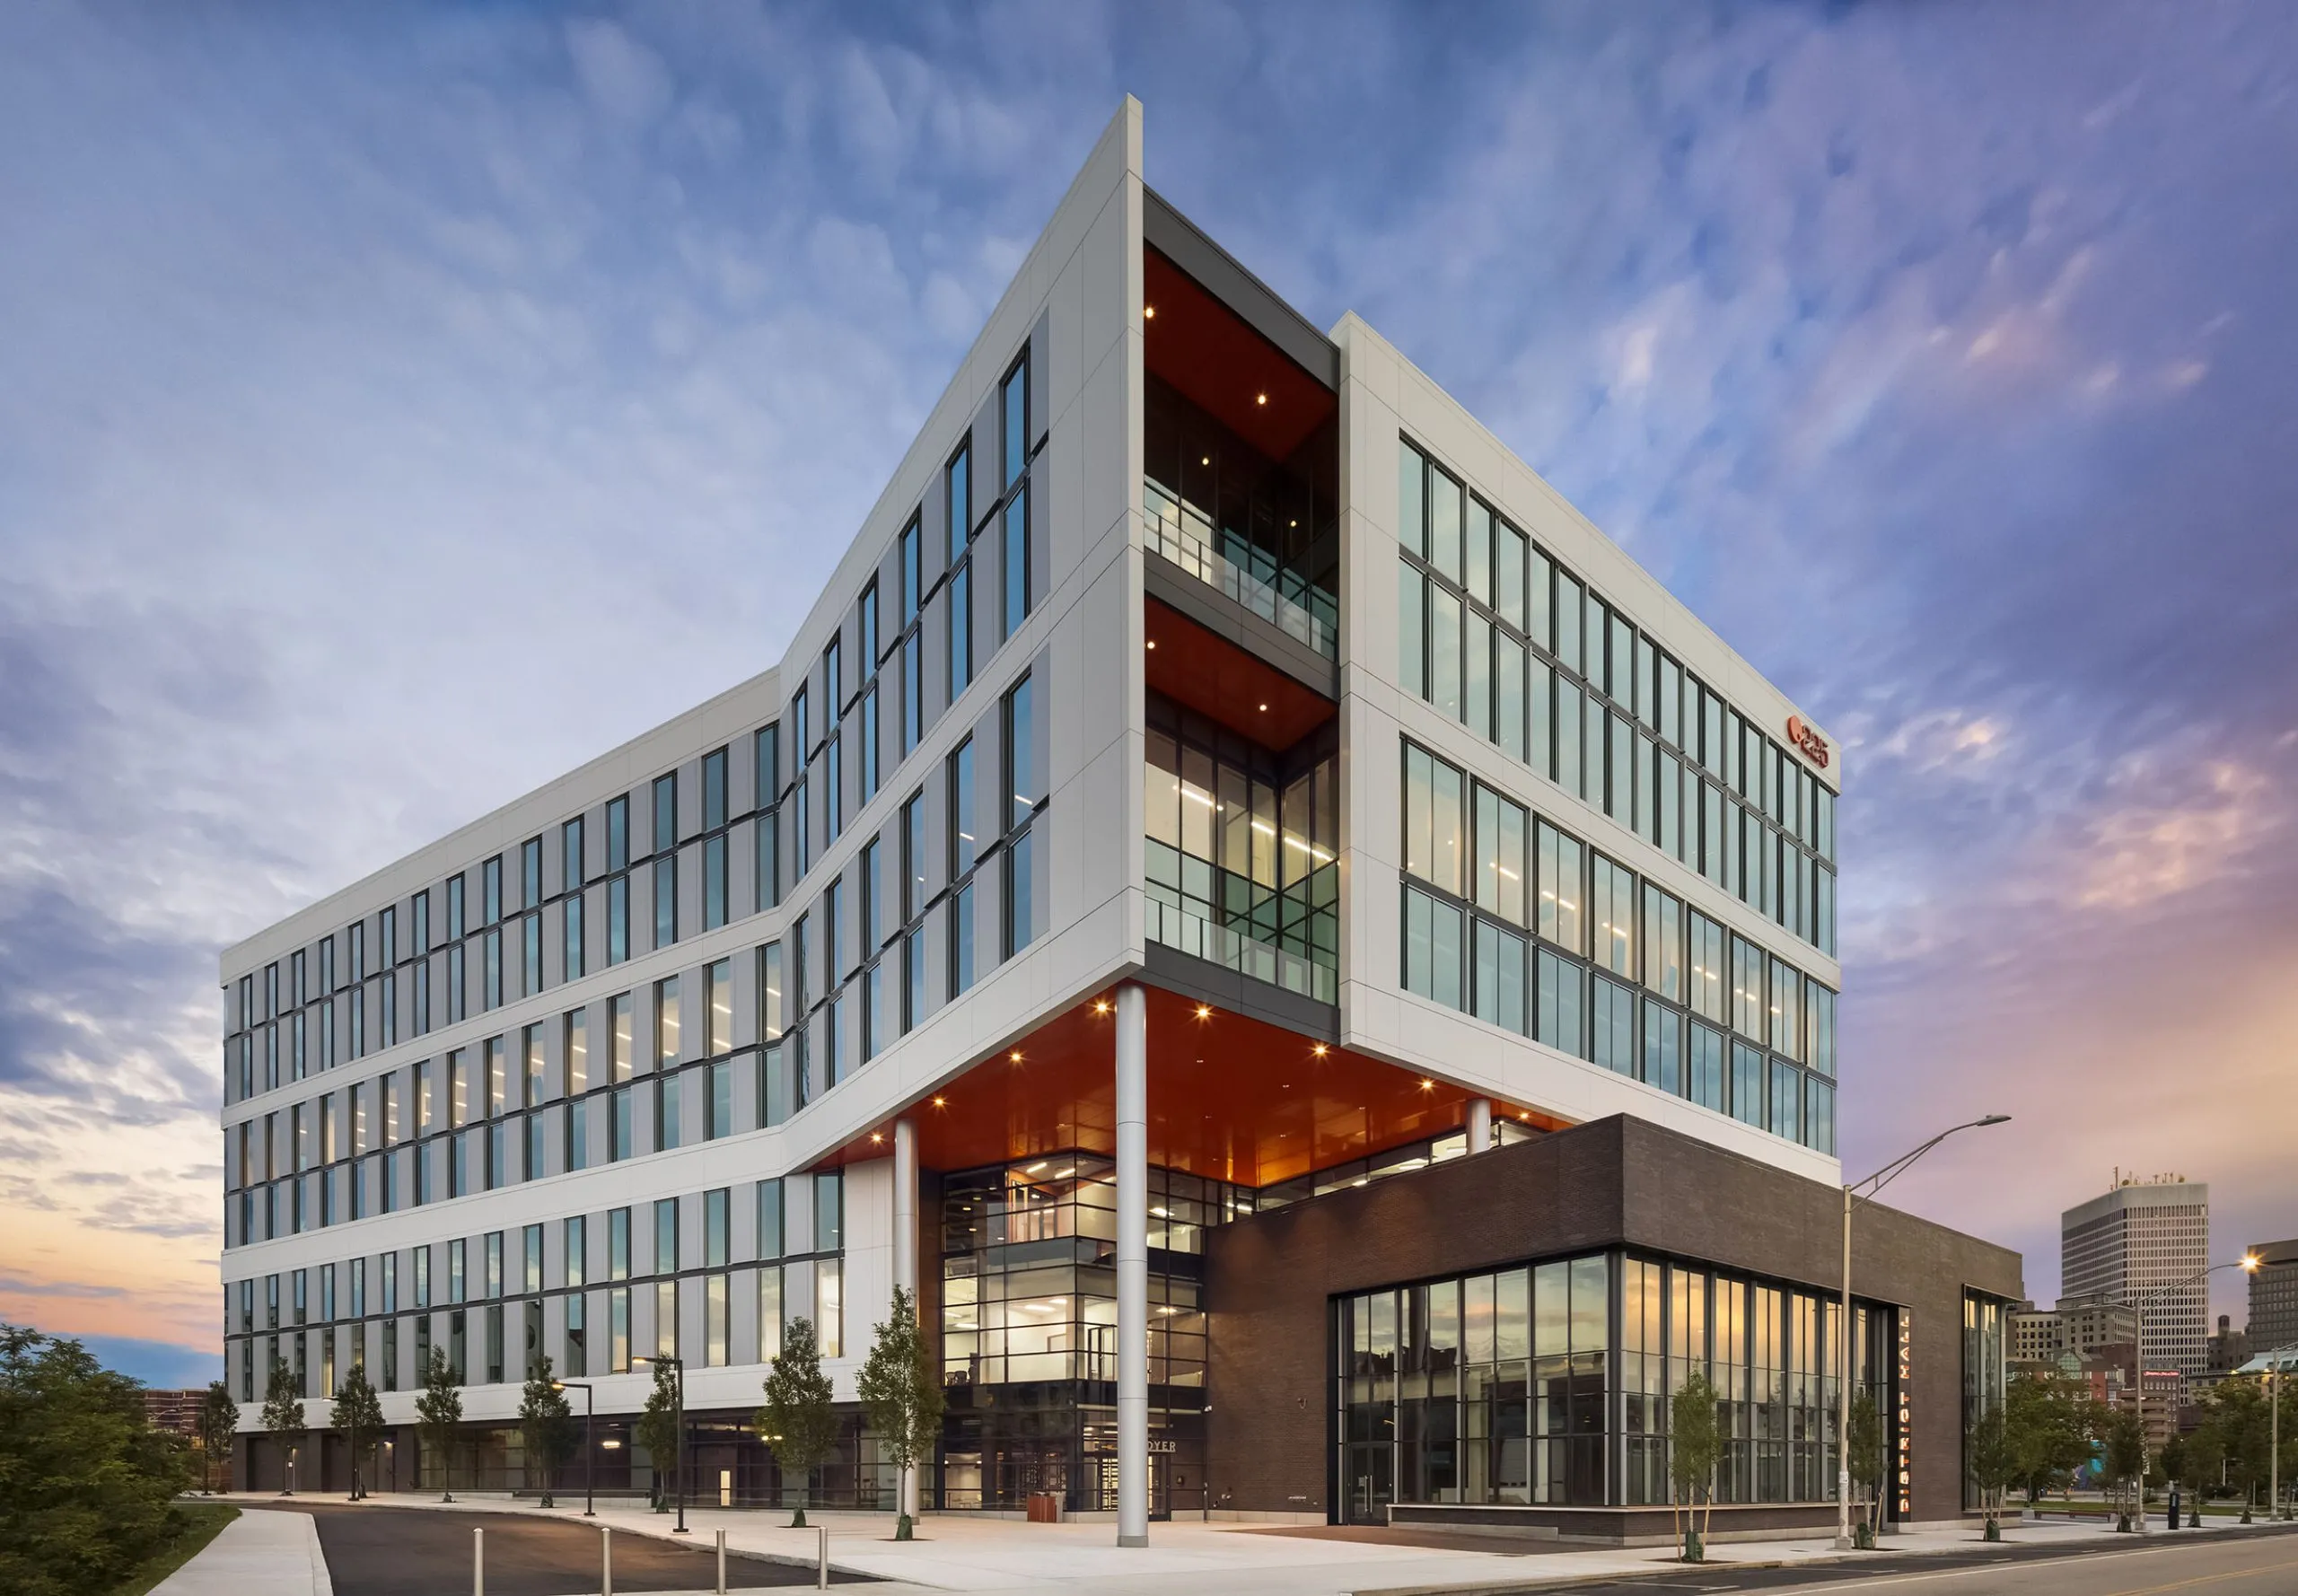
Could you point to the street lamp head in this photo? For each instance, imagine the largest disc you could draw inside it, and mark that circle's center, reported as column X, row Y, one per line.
column 2249, row 1263
column 1996, row 1119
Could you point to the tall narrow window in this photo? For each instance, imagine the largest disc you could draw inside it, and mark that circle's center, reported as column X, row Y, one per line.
column 958, row 503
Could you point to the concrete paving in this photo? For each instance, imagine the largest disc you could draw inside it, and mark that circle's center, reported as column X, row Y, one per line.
column 258, row 1554
column 974, row 1554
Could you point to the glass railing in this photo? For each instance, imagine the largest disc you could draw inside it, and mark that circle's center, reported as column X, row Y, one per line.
column 1170, row 925
column 1184, row 535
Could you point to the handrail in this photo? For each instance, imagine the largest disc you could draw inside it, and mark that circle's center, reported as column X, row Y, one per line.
column 1183, row 535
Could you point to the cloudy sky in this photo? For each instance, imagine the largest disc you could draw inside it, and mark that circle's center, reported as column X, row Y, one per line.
column 399, row 405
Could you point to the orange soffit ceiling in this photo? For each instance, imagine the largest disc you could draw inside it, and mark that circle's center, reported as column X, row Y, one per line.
column 1230, row 1098
column 1226, row 369
column 1197, row 667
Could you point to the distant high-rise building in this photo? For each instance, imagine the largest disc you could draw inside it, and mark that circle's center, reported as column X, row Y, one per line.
column 2274, row 1296
column 2146, row 1243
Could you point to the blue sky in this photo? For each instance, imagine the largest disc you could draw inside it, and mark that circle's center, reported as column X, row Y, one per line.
column 400, row 405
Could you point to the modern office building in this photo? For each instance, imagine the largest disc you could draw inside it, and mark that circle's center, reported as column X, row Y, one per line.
column 1319, row 970
column 2146, row 1243
column 2274, row 1296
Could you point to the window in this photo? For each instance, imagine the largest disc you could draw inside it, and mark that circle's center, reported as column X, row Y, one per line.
column 669, row 1113
column 1786, row 1102
column 718, row 982
column 962, row 940
column 960, row 631
column 962, row 831
column 619, row 1056
column 1432, row 810
column 1500, row 990
column 1707, row 971
column 1613, row 1030
column 1663, row 1047
column 1704, row 1068
column 770, row 991
column 666, row 1022
column 1663, row 944
column 1747, row 1085
column 577, row 1052
column 491, row 890
column 1560, row 890
column 1501, row 840
column 666, row 812
column 1432, row 947
column 666, row 902
column 1613, row 907
column 621, row 1137
column 958, row 503
column 1747, row 989
column 1563, row 986
column 1019, row 786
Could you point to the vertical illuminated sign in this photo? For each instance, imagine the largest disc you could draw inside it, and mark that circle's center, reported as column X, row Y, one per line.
column 1906, row 1368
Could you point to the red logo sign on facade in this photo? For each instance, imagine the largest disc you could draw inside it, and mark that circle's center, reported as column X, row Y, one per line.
column 1814, row 746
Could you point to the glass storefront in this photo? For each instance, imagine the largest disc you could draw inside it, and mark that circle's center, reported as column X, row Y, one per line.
column 1547, row 1385
column 1029, row 1332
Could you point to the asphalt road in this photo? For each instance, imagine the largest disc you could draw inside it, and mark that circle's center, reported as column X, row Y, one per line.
column 407, row 1551
column 2207, row 1564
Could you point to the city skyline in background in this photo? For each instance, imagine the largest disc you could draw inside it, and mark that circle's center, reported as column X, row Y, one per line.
column 1933, row 358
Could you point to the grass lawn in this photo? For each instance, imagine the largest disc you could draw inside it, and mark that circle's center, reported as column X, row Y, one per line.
column 205, row 1522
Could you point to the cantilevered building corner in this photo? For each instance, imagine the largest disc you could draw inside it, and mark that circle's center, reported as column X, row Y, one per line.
column 1316, row 967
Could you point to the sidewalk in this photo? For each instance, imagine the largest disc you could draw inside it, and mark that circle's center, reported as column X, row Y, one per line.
column 258, row 1554
column 960, row 1552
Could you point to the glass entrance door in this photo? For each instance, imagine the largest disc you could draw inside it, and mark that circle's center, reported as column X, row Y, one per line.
column 1372, row 1482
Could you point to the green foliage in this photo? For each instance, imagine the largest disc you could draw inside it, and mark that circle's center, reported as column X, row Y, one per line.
column 219, row 1426
column 795, row 1421
column 439, row 1416
column 1869, row 1463
column 359, row 1414
column 2124, row 1443
column 1696, row 1445
column 547, row 1424
column 1993, row 1462
column 282, row 1408
column 657, row 1431
column 87, row 1487
column 2052, row 1426
column 902, row 1394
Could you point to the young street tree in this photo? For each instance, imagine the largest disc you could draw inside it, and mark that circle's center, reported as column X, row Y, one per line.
column 1696, row 1447
column 903, row 1398
column 657, row 1430
column 439, row 1416
column 283, row 1416
column 359, row 1414
column 1992, row 1463
column 1867, row 1467
column 545, row 1424
column 219, row 1428
column 795, row 1421
column 2124, row 1443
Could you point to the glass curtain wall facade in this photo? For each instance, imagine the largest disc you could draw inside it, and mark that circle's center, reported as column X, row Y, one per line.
column 1547, row 1385
column 1242, row 849
column 1029, row 1332
column 1265, row 532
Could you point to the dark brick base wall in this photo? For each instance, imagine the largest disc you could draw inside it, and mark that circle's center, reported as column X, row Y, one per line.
column 1619, row 1181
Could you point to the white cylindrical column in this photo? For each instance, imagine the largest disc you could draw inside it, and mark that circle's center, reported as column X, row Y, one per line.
column 1132, row 1267
column 906, row 1254
column 1479, row 1123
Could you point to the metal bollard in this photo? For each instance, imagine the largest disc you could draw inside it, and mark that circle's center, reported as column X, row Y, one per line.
column 606, row 1561
column 721, row 1562
column 821, row 1561
column 478, row 1562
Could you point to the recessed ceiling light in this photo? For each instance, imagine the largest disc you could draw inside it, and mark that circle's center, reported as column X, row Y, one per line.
column 1101, row 1005
column 1320, row 1049
column 1204, row 1010
column 1017, row 1056
column 1148, row 313
column 940, row 1102
column 1153, row 643
column 1205, row 459
column 1264, row 709
column 1428, row 1085
column 1261, row 398
column 876, row 1138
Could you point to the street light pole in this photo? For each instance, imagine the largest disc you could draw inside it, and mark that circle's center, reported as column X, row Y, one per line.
column 2276, row 1362
column 678, row 1424
column 1852, row 1196
column 590, row 1447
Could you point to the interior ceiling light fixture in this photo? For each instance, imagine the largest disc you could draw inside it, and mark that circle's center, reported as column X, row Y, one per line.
column 1148, row 313
column 1204, row 1010
column 1016, row 1056
column 1319, row 1050
column 1428, row 1085
column 876, row 1138
column 940, row 1102
column 1261, row 398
